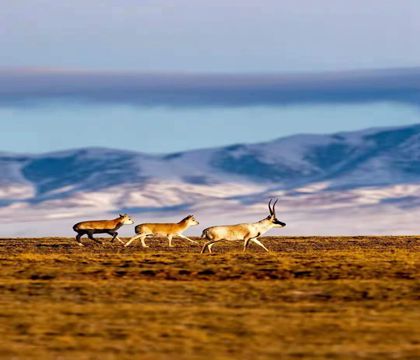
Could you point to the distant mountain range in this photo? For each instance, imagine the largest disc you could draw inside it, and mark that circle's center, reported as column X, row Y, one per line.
column 345, row 183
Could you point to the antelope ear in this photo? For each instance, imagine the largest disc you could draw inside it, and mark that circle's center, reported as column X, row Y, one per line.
column 121, row 215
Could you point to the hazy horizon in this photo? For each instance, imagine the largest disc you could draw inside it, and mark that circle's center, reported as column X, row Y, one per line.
column 110, row 147
column 45, row 111
column 158, row 76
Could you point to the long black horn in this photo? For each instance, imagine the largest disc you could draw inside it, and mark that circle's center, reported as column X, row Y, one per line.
column 269, row 207
column 274, row 207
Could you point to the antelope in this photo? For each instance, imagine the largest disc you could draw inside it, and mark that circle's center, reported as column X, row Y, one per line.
column 161, row 229
column 248, row 232
column 101, row 227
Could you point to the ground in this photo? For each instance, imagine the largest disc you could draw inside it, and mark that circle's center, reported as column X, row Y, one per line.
column 314, row 298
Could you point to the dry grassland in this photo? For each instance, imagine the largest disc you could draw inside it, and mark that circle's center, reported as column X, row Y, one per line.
column 314, row 298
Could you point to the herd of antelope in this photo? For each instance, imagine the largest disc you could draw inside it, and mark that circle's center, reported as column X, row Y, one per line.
column 247, row 232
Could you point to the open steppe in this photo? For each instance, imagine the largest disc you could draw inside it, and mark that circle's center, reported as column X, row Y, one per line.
column 313, row 297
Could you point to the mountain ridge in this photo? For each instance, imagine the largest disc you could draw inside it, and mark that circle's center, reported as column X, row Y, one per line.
column 353, row 171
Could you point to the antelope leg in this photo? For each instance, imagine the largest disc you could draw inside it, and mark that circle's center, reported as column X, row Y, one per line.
column 187, row 238
column 132, row 239
column 256, row 241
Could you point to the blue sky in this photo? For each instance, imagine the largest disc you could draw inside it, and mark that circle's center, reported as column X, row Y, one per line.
column 181, row 37
column 211, row 36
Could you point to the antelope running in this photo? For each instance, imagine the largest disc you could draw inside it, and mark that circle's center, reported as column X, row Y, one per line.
column 242, row 232
column 169, row 230
column 101, row 227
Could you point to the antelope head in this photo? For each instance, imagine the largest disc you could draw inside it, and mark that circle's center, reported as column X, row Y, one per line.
column 190, row 220
column 126, row 220
column 272, row 217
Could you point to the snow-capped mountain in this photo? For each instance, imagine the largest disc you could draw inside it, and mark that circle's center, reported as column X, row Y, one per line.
column 345, row 183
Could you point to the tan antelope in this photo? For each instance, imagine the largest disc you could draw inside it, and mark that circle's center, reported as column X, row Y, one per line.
column 248, row 232
column 169, row 230
column 101, row 227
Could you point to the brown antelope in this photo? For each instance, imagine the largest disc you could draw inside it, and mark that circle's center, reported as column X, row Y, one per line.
column 161, row 229
column 101, row 227
column 247, row 233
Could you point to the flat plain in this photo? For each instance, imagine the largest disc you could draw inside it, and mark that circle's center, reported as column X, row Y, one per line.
column 308, row 298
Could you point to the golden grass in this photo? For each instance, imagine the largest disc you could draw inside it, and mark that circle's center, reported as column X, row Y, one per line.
column 336, row 298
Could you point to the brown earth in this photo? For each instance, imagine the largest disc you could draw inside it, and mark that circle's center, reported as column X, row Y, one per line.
column 315, row 298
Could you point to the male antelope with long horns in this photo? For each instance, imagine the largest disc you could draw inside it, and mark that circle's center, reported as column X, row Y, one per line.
column 248, row 232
